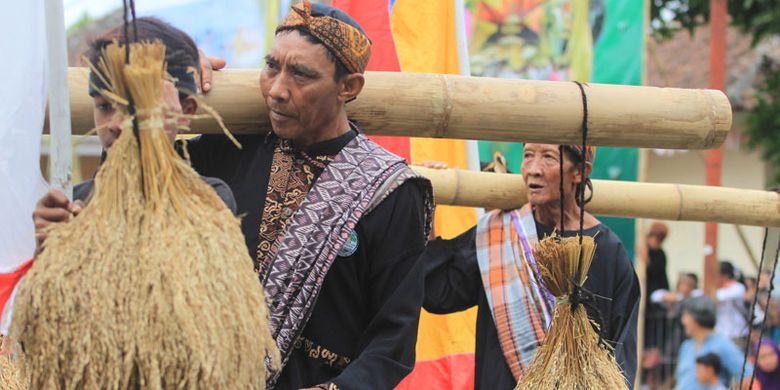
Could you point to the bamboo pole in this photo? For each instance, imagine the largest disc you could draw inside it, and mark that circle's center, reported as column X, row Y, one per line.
column 674, row 202
column 448, row 106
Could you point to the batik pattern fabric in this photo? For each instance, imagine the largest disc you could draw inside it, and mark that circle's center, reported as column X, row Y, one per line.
column 359, row 177
column 292, row 174
column 519, row 303
column 348, row 43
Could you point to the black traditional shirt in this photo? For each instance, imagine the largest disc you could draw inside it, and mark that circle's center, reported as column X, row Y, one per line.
column 454, row 283
column 363, row 329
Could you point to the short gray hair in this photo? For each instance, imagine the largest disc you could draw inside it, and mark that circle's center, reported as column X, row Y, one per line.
column 703, row 310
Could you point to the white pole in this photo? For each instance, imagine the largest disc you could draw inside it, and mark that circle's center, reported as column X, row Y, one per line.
column 461, row 37
column 59, row 104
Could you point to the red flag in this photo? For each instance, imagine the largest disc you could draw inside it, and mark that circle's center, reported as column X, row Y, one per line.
column 9, row 280
column 374, row 17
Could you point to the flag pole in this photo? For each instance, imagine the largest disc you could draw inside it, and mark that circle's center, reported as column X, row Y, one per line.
column 718, row 25
column 60, row 158
column 461, row 37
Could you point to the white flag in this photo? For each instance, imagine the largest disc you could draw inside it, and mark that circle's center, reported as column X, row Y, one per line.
column 22, row 105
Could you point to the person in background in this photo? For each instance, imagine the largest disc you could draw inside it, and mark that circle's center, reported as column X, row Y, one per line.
column 699, row 317
column 732, row 315
column 751, row 291
column 767, row 367
column 667, row 318
column 656, row 258
column 183, row 61
column 773, row 320
column 687, row 287
column 764, row 280
column 708, row 370
column 753, row 296
column 762, row 288
column 655, row 313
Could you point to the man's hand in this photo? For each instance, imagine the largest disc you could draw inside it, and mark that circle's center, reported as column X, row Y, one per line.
column 207, row 67
column 54, row 207
column 670, row 297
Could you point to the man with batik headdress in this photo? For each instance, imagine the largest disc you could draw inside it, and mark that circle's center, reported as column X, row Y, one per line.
column 336, row 224
column 492, row 266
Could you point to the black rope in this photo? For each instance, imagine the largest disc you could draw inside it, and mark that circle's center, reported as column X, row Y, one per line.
column 753, row 308
column 583, row 158
column 129, row 6
column 560, row 188
column 580, row 195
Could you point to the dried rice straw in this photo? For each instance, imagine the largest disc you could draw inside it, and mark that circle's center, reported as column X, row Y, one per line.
column 150, row 286
column 572, row 356
column 10, row 368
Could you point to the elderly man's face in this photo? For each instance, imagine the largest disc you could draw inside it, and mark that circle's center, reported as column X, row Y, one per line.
column 541, row 172
column 299, row 88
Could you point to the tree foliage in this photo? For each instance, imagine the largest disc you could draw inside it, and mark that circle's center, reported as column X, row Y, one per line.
column 759, row 18
column 763, row 129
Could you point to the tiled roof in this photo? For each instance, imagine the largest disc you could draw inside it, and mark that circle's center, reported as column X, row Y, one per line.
column 683, row 61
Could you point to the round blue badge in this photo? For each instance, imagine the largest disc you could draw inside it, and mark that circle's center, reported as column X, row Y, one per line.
column 350, row 246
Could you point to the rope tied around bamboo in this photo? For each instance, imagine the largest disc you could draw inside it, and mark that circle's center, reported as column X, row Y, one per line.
column 573, row 354
column 150, row 286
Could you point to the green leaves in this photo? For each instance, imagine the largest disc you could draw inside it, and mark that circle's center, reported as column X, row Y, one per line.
column 759, row 18
column 763, row 129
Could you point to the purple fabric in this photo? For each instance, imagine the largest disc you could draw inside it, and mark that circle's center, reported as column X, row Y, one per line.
column 769, row 380
column 549, row 300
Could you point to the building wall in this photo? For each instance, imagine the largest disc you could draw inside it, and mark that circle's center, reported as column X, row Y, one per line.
column 685, row 244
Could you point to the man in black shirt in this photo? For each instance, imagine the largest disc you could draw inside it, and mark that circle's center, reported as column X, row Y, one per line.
column 335, row 223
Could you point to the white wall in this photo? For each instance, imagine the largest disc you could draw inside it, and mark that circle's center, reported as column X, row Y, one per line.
column 685, row 244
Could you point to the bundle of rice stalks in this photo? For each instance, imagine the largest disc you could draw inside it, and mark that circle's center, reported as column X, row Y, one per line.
column 10, row 376
column 150, row 286
column 572, row 356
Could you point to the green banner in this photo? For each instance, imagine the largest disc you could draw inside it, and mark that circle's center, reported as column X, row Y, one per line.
column 562, row 40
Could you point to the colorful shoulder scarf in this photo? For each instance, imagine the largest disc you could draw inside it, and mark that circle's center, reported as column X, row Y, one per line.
column 520, row 304
column 357, row 180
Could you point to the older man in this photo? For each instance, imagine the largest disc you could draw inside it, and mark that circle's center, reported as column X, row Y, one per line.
column 336, row 224
column 492, row 266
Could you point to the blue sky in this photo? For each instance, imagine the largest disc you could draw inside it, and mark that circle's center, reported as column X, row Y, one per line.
column 74, row 9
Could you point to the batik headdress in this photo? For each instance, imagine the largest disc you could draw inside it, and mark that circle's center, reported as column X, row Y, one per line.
column 335, row 29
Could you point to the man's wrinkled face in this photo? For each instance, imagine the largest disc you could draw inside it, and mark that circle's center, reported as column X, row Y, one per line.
column 541, row 172
column 298, row 86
